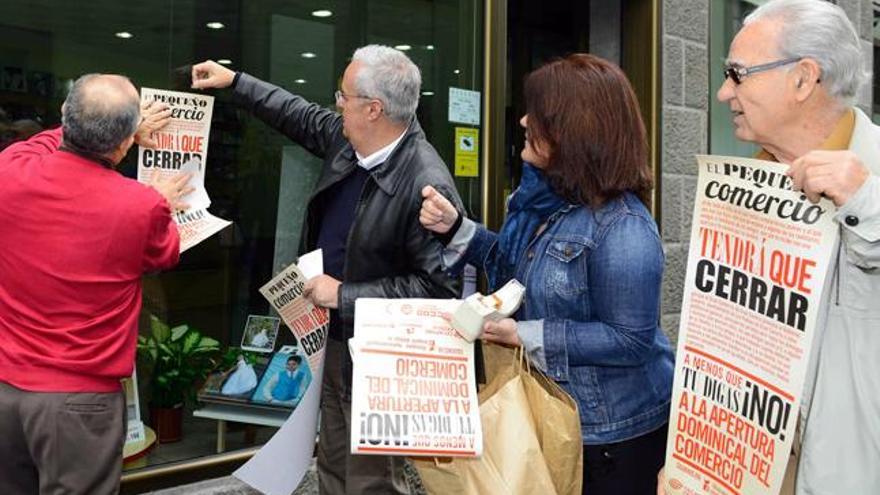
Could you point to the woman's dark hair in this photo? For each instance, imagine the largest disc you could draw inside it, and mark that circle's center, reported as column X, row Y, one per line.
column 583, row 111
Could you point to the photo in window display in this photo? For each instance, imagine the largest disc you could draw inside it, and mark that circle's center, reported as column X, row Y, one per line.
column 260, row 333
column 237, row 382
column 285, row 381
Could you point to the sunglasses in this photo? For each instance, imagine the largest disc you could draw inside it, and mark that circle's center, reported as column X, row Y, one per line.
column 737, row 72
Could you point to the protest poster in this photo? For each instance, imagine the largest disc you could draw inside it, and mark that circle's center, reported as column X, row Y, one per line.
column 279, row 466
column 413, row 388
column 196, row 225
column 182, row 146
column 307, row 321
column 759, row 255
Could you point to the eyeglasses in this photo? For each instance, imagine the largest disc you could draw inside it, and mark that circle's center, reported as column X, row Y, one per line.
column 737, row 73
column 340, row 96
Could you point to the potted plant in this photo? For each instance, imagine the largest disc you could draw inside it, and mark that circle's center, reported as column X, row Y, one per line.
column 180, row 357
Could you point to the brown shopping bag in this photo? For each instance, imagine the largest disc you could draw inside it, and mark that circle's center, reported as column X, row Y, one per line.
column 531, row 436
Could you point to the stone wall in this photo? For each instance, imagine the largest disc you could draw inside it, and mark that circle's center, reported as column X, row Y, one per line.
column 684, row 133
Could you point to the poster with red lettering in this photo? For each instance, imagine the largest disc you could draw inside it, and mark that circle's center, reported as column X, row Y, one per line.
column 757, row 265
column 182, row 147
column 413, row 388
column 307, row 321
column 280, row 465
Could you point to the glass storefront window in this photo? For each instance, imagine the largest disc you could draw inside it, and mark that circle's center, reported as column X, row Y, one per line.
column 256, row 177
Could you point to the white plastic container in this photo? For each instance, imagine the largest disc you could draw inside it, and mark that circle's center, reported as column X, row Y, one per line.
column 477, row 309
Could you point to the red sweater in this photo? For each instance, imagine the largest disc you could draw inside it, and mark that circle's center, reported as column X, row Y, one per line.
column 75, row 238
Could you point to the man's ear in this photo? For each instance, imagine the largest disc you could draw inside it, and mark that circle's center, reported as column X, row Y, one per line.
column 807, row 76
column 122, row 150
column 129, row 141
column 376, row 109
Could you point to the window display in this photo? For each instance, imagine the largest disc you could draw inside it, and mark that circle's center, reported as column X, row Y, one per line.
column 206, row 333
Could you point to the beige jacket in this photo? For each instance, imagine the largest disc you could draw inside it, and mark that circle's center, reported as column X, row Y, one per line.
column 840, row 451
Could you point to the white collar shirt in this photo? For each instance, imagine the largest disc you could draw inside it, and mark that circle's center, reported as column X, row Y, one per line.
column 375, row 159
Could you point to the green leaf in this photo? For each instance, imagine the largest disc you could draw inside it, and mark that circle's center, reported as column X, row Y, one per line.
column 167, row 351
column 178, row 332
column 191, row 342
column 160, row 330
column 180, row 356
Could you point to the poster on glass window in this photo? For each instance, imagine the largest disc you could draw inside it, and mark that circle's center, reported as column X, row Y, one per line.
column 759, row 255
column 182, row 147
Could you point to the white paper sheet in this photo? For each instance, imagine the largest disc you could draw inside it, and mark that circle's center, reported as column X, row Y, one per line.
column 279, row 466
column 311, row 264
column 198, row 198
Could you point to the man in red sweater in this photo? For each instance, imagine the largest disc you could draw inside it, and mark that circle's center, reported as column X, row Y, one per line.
column 75, row 238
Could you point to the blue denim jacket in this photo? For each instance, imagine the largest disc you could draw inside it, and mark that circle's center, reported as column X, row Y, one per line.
column 590, row 317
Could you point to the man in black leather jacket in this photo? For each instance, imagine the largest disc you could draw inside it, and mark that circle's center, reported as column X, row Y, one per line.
column 364, row 214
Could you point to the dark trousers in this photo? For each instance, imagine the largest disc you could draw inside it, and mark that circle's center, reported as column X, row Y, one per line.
column 339, row 471
column 625, row 468
column 60, row 443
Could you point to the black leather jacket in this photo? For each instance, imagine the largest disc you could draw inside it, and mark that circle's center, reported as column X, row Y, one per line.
column 389, row 253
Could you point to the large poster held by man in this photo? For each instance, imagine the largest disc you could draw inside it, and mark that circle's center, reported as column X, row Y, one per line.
column 759, row 254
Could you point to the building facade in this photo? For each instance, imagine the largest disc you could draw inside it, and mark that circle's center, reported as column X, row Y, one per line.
column 672, row 50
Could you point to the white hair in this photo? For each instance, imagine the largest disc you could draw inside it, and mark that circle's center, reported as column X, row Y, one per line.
column 819, row 30
column 390, row 76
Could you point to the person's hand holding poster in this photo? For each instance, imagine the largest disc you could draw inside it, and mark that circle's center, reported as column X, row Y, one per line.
column 759, row 253
column 291, row 382
column 182, row 147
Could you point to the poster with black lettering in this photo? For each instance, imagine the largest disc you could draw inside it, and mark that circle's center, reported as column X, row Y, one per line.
column 182, row 146
column 413, row 388
column 757, row 265
column 280, row 465
column 307, row 321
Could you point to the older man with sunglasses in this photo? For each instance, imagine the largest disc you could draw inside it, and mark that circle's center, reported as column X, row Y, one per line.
column 792, row 74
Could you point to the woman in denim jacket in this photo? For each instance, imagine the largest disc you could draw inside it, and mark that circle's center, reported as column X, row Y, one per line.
column 579, row 237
